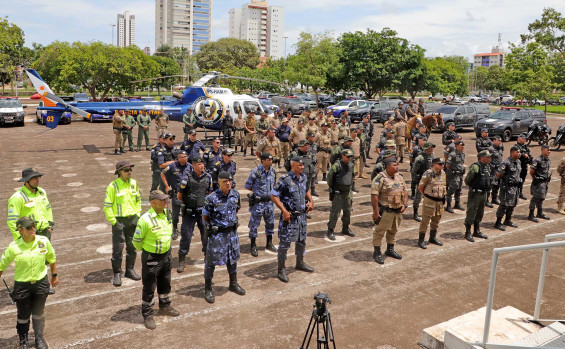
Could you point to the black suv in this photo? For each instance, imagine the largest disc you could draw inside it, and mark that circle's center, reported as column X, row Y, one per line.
column 510, row 122
column 382, row 110
column 358, row 113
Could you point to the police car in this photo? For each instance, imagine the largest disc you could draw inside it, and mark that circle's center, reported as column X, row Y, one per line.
column 11, row 111
column 339, row 109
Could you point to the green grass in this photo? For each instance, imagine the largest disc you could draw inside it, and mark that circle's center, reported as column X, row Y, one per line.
column 556, row 109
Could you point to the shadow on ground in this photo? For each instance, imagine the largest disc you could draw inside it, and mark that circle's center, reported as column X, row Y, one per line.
column 99, row 277
column 359, row 256
column 266, row 271
column 197, row 291
column 131, row 315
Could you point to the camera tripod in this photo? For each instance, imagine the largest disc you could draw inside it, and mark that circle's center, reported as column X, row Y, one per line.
column 320, row 315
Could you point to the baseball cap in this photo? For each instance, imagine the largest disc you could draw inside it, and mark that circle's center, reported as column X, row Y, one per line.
column 157, row 195
column 24, row 222
column 265, row 156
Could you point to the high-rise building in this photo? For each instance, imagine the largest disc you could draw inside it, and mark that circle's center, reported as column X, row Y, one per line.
column 261, row 24
column 183, row 23
column 147, row 50
column 496, row 57
column 126, row 30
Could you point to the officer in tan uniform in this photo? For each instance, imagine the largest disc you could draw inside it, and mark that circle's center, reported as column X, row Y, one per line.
column 358, row 165
column 312, row 127
column 324, row 141
column 334, row 132
column 411, row 110
column 238, row 124
column 271, row 145
column 343, row 128
column 389, row 199
column 117, row 125
column 161, row 123
column 250, row 130
column 400, row 138
column 298, row 134
column 433, row 187
column 321, row 119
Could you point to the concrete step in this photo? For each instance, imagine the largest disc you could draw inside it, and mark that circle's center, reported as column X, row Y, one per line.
column 433, row 337
column 558, row 342
column 552, row 333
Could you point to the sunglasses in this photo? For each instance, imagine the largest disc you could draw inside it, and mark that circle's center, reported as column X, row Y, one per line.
column 29, row 228
column 230, row 155
column 127, row 169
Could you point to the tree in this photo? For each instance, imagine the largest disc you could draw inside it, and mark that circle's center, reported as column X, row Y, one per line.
column 445, row 76
column 11, row 44
column 478, row 78
column 413, row 76
column 227, row 54
column 496, row 78
column 166, row 67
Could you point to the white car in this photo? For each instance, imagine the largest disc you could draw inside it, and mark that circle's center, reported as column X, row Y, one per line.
column 506, row 98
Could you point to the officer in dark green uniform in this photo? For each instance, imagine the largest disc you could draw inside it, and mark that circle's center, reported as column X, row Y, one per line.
column 127, row 133
column 422, row 163
column 510, row 182
column 539, row 170
column 525, row 160
column 381, row 160
column 455, row 169
column 497, row 152
column 189, row 121
column 336, row 152
column 143, row 123
column 479, row 180
column 340, row 182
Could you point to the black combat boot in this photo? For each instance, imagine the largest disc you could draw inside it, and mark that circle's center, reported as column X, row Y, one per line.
column 38, row 326
column 208, row 294
column 498, row 225
column 254, row 252
column 23, row 330
column 522, row 196
column 458, row 206
column 433, row 238
column 401, row 160
column 301, row 265
column 468, row 236
column 180, row 267
column 415, row 216
column 353, row 189
column 324, row 177
column 314, row 192
column 346, row 231
column 448, row 207
column 477, row 232
column 531, row 216
column 175, row 234
column 330, row 234
column 541, row 215
column 282, row 271
column 488, row 203
column 421, row 240
column 270, row 245
column 122, row 150
column 377, row 255
column 234, row 286
column 244, row 152
column 508, row 222
column 117, row 279
column 131, row 274
column 117, row 152
column 391, row 252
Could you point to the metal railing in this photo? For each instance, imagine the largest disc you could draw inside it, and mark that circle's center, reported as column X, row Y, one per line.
column 496, row 252
column 542, row 271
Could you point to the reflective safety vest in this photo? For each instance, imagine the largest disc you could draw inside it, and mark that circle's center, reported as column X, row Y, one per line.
column 35, row 205
column 123, row 199
column 153, row 232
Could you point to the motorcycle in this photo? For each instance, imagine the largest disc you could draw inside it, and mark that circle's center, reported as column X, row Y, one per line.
column 559, row 139
column 538, row 132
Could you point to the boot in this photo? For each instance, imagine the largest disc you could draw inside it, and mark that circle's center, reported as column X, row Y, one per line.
column 301, row 265
column 270, row 245
column 346, row 231
column 531, row 216
column 433, row 239
column 377, row 255
column 282, row 271
column 314, row 193
column 415, row 216
column 208, row 295
column 509, row 223
column 495, row 197
column 401, row 160
column 168, row 311
column 131, row 274
column 458, row 206
column 175, row 234
column 468, row 236
column 355, row 190
column 244, row 152
column 541, row 215
column 122, row 150
column 38, row 326
column 421, row 240
column 560, row 208
column 117, row 279
column 498, row 225
column 448, row 207
column 391, row 252
column 522, row 196
column 117, row 152
column 234, row 286
column 330, row 234
column 477, row 232
column 138, row 149
column 180, row 267
column 316, row 179
column 149, row 322
column 23, row 330
column 253, row 248
column 324, row 177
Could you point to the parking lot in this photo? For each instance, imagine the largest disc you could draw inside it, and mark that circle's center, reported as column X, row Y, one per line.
column 372, row 306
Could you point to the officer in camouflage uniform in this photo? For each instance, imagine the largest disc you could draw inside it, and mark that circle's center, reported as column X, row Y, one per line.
column 451, row 147
column 381, row 160
column 539, row 170
column 292, row 196
column 297, row 135
column 448, row 136
column 497, row 151
column 416, row 150
column 262, row 126
column 127, row 133
column 422, row 163
column 172, row 177
column 455, row 170
column 433, row 187
column 225, row 164
column 389, row 200
column 421, row 107
column 193, row 146
column 155, row 170
column 343, row 129
column 189, row 120
column 411, row 110
column 334, row 131
column 161, row 122
column 483, row 142
column 363, row 151
column 227, row 128
column 561, row 198
column 340, row 182
column 510, row 182
column 368, row 131
column 479, row 180
column 336, row 152
column 311, row 127
column 220, row 216
column 213, row 154
column 400, row 113
column 271, row 145
column 143, row 123
column 309, row 162
column 260, row 182
column 525, row 160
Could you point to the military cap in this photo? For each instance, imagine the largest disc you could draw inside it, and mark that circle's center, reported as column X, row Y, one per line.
column 522, row 135
column 484, row 129
column 312, row 118
column 347, row 139
column 545, row 146
column 251, row 112
column 24, row 222
column 224, row 175
column 347, row 152
column 169, row 135
column 196, row 158
column 497, row 137
column 438, row 161
column 157, row 195
column 366, row 116
column 325, row 125
column 271, row 129
column 449, row 123
column 302, row 143
column 514, row 148
column 400, row 103
column 389, row 161
column 265, row 156
column 353, row 129
column 459, row 143
column 182, row 152
column 428, row 145
column 458, row 137
column 390, row 143
column 484, row 153
column 300, row 121
column 310, row 134
column 388, row 153
column 297, row 159
column 163, row 135
column 227, row 151
column 29, row 173
column 192, row 132
column 284, row 120
column 122, row 164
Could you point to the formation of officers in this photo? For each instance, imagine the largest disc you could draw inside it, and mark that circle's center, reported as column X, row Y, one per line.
column 198, row 183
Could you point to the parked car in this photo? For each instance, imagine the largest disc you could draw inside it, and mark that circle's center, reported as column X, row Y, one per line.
column 358, row 113
column 472, row 99
column 538, row 102
column 81, row 98
column 325, row 101
column 340, row 108
column 381, row 111
column 11, row 111
column 41, row 116
column 309, row 103
column 506, row 98
column 463, row 115
column 289, row 104
column 509, row 122
column 268, row 105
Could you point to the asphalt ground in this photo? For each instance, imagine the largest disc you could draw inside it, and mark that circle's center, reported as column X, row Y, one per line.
column 373, row 306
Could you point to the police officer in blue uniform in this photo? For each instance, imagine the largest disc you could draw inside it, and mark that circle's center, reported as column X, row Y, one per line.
column 193, row 188
column 292, row 196
column 220, row 215
column 261, row 182
column 212, row 155
column 171, row 177
column 192, row 145
column 166, row 156
column 155, row 170
column 225, row 164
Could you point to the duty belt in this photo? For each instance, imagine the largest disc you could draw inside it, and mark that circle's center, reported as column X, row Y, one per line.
column 325, row 150
column 222, row 230
column 434, row 199
column 479, row 190
column 394, row 210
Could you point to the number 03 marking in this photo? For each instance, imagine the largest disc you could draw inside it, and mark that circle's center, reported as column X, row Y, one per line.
column 50, row 118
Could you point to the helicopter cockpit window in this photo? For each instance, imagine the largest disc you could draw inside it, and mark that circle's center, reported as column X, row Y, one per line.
column 251, row 106
column 236, row 108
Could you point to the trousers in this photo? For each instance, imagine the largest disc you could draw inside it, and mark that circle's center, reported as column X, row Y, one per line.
column 187, row 231
column 341, row 202
column 284, row 246
column 119, row 139
column 30, row 301
column 122, row 233
column 155, row 274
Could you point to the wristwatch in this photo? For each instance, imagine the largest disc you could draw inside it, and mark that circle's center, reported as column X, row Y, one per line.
column 54, row 275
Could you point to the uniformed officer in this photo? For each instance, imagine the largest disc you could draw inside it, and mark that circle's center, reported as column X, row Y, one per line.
column 399, row 129
column 509, row 174
column 239, row 131
column 357, row 148
column 153, row 237
column 143, row 123
column 260, row 182
column 497, row 152
column 561, row 198
column 161, row 122
column 421, row 107
column 220, row 215
column 297, row 135
column 213, row 154
column 334, row 131
column 368, row 131
column 172, row 177
column 225, row 164
column 539, row 170
column 128, row 130
column 193, row 188
column 422, row 163
column 227, row 128
column 411, row 109
column 389, row 200
column 262, row 126
column 292, row 196
column 455, row 170
column 283, row 134
column 448, row 136
column 30, row 200
column 433, row 187
column 166, row 156
column 324, row 141
column 483, row 142
column 381, row 160
column 270, row 144
column 525, row 160
column 451, row 147
column 250, row 130
column 416, row 150
column 192, row 145
column 122, row 207
column 479, row 180
column 155, row 170
column 311, row 127
column 400, row 113
column 340, row 182
column 343, row 129
column 309, row 162
column 189, row 120
column 118, row 125
column 31, row 253
column 335, row 155
column 321, row 118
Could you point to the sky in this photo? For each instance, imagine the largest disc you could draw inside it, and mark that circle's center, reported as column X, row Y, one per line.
column 441, row 27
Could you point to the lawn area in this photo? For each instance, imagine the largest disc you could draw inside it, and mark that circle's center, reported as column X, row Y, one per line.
column 557, row 109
